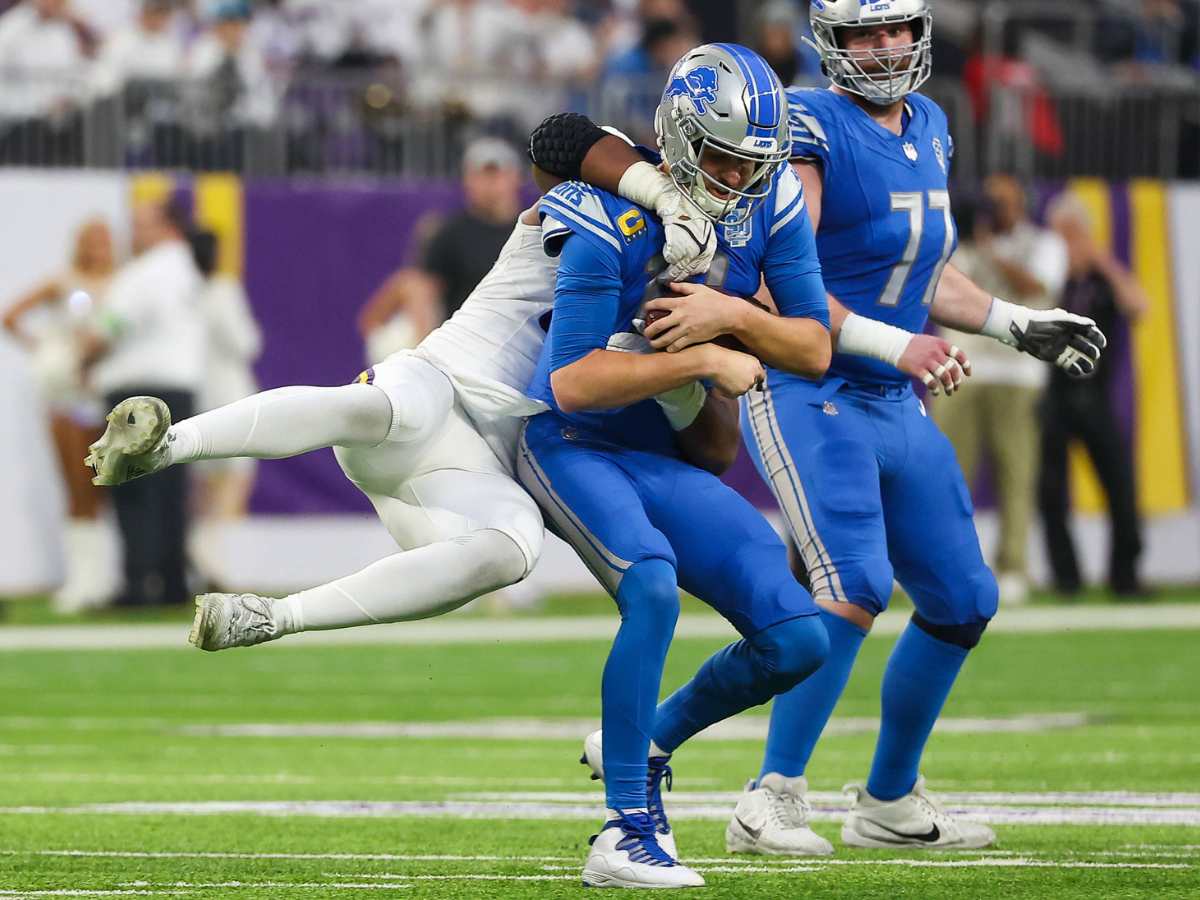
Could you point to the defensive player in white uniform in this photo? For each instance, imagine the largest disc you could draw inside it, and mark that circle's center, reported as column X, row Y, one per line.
column 429, row 435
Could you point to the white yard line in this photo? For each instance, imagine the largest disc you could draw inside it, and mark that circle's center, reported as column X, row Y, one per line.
column 742, row 728
column 472, row 630
column 837, row 800
column 1005, row 815
column 341, row 857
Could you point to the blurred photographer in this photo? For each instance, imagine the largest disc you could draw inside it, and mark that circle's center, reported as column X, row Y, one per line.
column 1005, row 253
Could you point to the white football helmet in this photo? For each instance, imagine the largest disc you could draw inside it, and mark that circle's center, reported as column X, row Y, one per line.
column 892, row 73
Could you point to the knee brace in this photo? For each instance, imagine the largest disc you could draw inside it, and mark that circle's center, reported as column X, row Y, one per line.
column 966, row 636
column 789, row 652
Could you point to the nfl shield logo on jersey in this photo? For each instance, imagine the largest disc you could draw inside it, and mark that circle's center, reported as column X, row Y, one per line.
column 910, row 151
column 939, row 153
column 829, row 409
column 738, row 234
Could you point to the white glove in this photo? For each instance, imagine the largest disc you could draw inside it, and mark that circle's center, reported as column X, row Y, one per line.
column 690, row 240
column 1071, row 342
column 680, row 405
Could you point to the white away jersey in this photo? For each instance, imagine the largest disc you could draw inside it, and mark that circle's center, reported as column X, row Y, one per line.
column 490, row 346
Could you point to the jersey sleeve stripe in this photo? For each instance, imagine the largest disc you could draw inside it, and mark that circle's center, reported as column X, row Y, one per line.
column 569, row 216
column 792, row 212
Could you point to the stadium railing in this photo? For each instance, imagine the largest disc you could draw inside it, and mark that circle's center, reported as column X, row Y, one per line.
column 376, row 124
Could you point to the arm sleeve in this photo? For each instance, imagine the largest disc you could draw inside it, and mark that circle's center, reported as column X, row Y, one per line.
column 587, row 298
column 791, row 267
column 560, row 143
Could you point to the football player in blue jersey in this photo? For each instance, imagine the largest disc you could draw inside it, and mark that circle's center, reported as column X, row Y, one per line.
column 609, row 463
column 871, row 490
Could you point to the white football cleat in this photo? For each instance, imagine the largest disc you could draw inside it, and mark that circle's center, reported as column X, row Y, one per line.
column 625, row 854
column 771, row 819
column 134, row 443
column 657, row 771
column 233, row 620
column 914, row 820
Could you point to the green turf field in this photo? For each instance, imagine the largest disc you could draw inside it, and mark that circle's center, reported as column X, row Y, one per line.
column 450, row 771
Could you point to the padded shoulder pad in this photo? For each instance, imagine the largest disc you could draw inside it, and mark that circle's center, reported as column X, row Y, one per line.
column 810, row 138
column 575, row 207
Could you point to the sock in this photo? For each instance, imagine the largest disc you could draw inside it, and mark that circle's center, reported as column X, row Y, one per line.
column 657, row 751
column 611, row 814
column 415, row 584
column 744, row 674
column 649, row 602
column 916, row 683
column 799, row 716
column 285, row 422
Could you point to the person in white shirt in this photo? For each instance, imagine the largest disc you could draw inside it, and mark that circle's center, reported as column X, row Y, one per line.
column 149, row 48
column 234, row 343
column 151, row 339
column 1010, row 256
column 41, row 59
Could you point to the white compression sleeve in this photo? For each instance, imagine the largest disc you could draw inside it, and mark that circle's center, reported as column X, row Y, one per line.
column 285, row 422
column 414, row 584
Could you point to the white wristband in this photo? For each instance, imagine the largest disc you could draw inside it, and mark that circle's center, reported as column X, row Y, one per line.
column 861, row 336
column 681, row 405
column 644, row 185
column 1000, row 320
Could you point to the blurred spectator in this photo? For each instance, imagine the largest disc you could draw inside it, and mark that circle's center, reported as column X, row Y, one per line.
column 147, row 49
column 233, row 68
column 1010, row 257
column 456, row 256
column 633, row 81
column 106, row 17
column 777, row 40
column 1100, row 287
column 42, row 50
column 566, row 47
column 234, row 342
column 66, row 304
column 151, row 341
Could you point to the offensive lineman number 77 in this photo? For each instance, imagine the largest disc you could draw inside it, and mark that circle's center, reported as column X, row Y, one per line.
column 913, row 203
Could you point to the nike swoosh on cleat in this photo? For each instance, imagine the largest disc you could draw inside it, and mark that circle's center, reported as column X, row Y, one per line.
column 929, row 837
column 755, row 833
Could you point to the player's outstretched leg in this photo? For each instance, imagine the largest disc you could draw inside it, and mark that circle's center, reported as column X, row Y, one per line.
column 658, row 772
column 955, row 596
column 627, row 852
column 894, row 809
column 288, row 421
column 415, row 584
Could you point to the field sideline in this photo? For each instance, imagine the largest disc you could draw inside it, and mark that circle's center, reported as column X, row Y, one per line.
column 449, row 769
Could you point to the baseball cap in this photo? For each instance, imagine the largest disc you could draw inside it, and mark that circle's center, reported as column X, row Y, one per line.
column 490, row 151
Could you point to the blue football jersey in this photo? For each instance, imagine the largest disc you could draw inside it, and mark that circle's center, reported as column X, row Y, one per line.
column 610, row 251
column 886, row 228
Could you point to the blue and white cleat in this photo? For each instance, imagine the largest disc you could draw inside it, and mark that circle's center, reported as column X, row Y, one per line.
column 657, row 772
column 914, row 820
column 134, row 443
column 626, row 854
